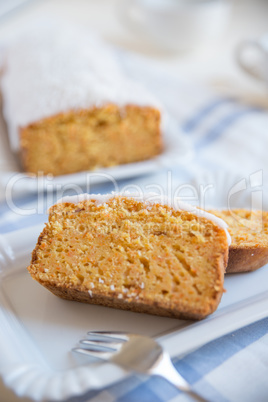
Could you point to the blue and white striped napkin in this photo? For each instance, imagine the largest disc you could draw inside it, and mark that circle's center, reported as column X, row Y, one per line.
column 232, row 368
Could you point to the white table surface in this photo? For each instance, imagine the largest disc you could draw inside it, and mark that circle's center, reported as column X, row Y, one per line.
column 210, row 64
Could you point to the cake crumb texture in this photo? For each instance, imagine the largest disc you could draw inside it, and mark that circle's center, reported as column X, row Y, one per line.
column 131, row 255
column 87, row 139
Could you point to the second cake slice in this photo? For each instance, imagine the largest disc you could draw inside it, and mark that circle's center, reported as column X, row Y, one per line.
column 70, row 107
column 249, row 232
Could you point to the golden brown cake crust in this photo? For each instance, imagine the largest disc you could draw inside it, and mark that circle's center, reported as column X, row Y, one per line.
column 249, row 233
column 153, row 307
column 246, row 259
column 84, row 140
column 195, row 305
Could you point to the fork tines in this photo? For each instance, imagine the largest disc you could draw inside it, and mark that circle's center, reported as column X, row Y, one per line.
column 103, row 345
column 98, row 344
column 109, row 335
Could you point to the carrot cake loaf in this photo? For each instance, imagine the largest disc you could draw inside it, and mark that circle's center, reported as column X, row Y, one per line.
column 69, row 106
column 136, row 254
column 249, row 232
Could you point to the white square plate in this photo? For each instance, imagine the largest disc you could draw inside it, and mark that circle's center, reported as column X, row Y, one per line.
column 38, row 330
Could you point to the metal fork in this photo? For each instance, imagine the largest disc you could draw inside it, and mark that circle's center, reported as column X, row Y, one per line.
column 135, row 353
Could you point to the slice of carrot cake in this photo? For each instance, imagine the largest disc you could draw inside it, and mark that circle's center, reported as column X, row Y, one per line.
column 136, row 254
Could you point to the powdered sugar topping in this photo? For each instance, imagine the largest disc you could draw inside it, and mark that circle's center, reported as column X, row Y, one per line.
column 56, row 68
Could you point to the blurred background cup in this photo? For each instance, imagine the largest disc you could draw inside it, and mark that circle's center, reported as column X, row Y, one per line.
column 175, row 24
column 252, row 56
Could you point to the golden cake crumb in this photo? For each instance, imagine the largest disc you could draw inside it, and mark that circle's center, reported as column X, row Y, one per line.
column 131, row 255
column 87, row 139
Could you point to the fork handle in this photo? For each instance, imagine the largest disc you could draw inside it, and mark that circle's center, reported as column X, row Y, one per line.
column 186, row 389
column 195, row 396
column 167, row 371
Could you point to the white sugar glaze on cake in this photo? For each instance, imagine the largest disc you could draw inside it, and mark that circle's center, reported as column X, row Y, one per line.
column 52, row 68
column 149, row 199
